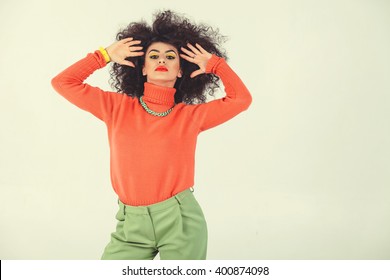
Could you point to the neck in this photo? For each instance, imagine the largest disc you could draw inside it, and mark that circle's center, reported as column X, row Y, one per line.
column 162, row 83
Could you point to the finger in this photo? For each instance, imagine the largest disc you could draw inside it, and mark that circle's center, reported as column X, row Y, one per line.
column 128, row 63
column 196, row 73
column 189, row 53
column 132, row 54
column 201, row 48
column 186, row 57
column 126, row 40
column 193, row 49
column 132, row 43
column 132, row 49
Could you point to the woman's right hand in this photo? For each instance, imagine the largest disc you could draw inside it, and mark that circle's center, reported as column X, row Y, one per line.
column 120, row 50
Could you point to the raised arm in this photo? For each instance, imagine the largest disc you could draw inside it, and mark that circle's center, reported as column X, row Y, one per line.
column 70, row 82
column 237, row 97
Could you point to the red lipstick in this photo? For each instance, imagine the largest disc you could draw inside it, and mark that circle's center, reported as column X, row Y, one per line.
column 162, row 69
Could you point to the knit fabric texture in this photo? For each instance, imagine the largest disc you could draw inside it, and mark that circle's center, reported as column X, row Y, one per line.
column 151, row 158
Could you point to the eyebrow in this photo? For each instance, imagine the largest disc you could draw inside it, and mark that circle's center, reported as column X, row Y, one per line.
column 159, row 51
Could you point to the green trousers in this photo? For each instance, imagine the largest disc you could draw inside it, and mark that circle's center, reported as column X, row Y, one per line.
column 175, row 228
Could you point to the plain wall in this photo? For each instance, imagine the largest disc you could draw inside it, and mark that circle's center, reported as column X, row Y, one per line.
column 303, row 174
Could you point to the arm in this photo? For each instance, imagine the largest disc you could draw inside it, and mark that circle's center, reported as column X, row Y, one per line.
column 70, row 82
column 237, row 97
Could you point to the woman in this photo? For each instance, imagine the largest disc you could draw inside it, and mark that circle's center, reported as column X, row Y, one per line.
column 162, row 74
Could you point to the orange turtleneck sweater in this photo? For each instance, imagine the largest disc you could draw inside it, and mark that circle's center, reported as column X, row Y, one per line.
column 151, row 158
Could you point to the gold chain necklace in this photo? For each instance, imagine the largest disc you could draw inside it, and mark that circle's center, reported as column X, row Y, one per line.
column 157, row 114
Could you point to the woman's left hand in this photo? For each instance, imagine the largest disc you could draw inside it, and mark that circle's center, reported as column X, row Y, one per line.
column 198, row 56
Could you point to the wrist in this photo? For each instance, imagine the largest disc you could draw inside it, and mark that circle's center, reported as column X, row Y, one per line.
column 104, row 53
column 212, row 64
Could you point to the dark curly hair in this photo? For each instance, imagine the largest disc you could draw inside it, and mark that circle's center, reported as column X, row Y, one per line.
column 177, row 30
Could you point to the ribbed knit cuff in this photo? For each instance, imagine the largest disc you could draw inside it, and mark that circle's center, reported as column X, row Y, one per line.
column 100, row 58
column 213, row 63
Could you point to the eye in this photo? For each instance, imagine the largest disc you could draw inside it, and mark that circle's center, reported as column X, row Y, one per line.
column 153, row 56
column 169, row 56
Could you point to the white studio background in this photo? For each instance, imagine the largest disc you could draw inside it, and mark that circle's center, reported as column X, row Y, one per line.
column 303, row 174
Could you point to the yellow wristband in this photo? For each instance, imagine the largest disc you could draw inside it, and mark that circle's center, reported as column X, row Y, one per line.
column 105, row 54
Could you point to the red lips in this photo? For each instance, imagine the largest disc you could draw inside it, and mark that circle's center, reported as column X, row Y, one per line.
column 162, row 69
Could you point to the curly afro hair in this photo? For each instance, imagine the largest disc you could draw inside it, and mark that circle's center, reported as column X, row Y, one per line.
column 176, row 30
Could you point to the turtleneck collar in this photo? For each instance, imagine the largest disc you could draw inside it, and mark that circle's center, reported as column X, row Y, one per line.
column 159, row 94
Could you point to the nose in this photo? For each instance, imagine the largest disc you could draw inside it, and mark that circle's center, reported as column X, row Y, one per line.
column 161, row 60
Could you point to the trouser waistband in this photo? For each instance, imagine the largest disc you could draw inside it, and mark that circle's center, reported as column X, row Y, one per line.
column 174, row 200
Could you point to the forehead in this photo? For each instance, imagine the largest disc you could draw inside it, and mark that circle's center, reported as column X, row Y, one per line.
column 162, row 47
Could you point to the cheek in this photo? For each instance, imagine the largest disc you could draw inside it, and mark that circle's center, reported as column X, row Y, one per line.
column 148, row 65
column 176, row 65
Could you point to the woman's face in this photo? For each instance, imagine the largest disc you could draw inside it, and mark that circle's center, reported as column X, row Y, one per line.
column 162, row 64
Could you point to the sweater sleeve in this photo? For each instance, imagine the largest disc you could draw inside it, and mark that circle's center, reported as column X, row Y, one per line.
column 237, row 97
column 70, row 84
